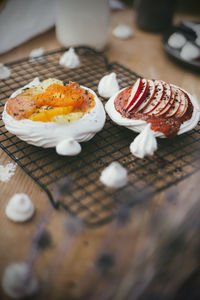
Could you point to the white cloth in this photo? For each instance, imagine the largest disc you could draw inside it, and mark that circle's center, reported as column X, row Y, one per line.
column 116, row 4
column 21, row 20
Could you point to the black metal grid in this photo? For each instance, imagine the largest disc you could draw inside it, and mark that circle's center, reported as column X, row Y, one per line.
column 175, row 159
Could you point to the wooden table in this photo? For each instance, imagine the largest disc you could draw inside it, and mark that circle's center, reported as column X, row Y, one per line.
column 144, row 55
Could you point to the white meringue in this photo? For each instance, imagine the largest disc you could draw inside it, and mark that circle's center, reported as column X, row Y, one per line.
column 144, row 144
column 197, row 41
column 108, row 85
column 15, row 282
column 123, row 31
column 50, row 134
column 35, row 53
column 20, row 208
column 176, row 40
column 70, row 59
column 197, row 29
column 139, row 125
column 114, row 175
column 4, row 71
column 189, row 51
column 68, row 147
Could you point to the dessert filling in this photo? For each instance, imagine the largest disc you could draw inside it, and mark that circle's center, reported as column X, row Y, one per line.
column 55, row 103
column 167, row 120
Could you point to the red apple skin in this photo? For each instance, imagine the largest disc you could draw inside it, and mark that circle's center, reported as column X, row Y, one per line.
column 161, row 108
column 156, row 99
column 135, row 92
column 183, row 105
column 176, row 103
column 141, row 96
column 150, row 94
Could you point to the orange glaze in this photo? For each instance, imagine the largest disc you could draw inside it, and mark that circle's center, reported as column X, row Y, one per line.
column 29, row 102
column 59, row 96
column 168, row 126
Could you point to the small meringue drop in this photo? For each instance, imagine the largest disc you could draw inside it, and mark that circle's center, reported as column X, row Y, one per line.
column 35, row 53
column 4, row 71
column 114, row 175
column 189, row 51
column 68, row 147
column 20, row 208
column 177, row 40
column 108, row 85
column 123, row 31
column 197, row 41
column 144, row 144
column 16, row 283
column 70, row 59
column 197, row 29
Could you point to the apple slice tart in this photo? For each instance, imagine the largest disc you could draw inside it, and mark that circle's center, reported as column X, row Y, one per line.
column 153, row 108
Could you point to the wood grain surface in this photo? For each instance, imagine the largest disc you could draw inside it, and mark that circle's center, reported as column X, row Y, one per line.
column 67, row 268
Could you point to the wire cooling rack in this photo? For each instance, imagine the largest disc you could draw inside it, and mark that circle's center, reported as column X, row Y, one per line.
column 87, row 198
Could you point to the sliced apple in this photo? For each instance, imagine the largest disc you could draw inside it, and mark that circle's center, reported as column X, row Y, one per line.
column 183, row 105
column 175, row 103
column 149, row 95
column 156, row 98
column 141, row 96
column 160, row 109
column 134, row 93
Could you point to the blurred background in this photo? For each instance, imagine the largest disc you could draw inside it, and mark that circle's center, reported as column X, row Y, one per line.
column 21, row 20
